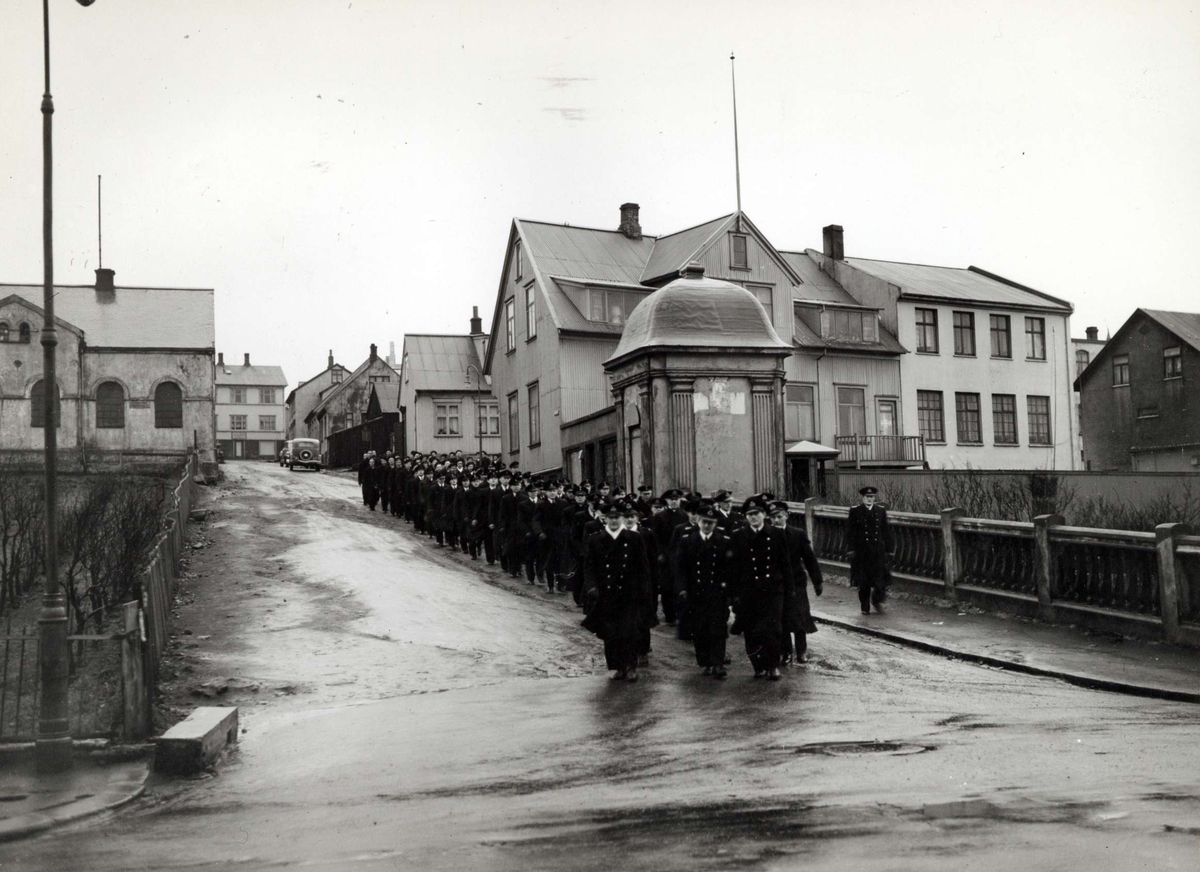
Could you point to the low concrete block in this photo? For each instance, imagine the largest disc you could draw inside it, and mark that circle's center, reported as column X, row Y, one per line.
column 196, row 741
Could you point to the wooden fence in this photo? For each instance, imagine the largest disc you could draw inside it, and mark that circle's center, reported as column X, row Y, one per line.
column 1108, row 579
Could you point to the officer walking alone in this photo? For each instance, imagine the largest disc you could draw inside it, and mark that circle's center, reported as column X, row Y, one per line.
column 871, row 549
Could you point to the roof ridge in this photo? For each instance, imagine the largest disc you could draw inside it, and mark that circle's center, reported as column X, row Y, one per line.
column 910, row 263
column 93, row 287
column 724, row 217
column 579, row 227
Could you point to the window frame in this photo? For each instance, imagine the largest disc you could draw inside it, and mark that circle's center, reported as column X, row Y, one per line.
column 1035, row 332
column 160, row 414
column 960, row 412
column 337, row 376
column 1082, row 356
column 838, row 404
column 789, row 405
column 447, row 411
column 510, row 325
column 110, row 413
column 733, row 251
column 1032, row 416
column 485, row 417
column 24, row 333
column 964, row 331
column 1120, row 366
column 237, row 396
column 923, row 327
column 1172, row 362
column 266, row 423
column 530, row 313
column 234, row 420
column 514, row 422
column 1001, row 424
column 1004, row 331
column 517, row 260
column 266, row 396
column 38, row 421
column 533, row 403
column 941, row 417
column 754, row 288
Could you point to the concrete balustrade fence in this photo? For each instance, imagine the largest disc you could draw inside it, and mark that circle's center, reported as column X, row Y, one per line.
column 1119, row 580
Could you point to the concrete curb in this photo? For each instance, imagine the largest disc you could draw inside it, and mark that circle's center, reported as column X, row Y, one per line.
column 120, row 790
column 1091, row 682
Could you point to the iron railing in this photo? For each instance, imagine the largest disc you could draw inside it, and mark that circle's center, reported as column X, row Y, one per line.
column 858, row 450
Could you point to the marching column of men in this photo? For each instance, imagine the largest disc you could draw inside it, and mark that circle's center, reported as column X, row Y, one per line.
column 623, row 557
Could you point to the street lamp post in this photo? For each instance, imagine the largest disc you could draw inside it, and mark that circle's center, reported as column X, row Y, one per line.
column 478, row 391
column 54, row 732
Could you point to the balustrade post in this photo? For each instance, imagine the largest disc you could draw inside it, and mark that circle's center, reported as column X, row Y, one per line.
column 1046, row 568
column 1170, row 581
column 951, row 559
column 810, row 518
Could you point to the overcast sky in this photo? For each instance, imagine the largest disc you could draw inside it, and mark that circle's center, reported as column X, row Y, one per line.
column 344, row 172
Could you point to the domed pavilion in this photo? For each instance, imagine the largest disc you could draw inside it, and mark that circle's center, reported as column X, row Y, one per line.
column 698, row 383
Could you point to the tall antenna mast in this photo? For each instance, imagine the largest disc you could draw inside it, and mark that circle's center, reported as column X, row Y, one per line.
column 737, row 163
column 99, row 224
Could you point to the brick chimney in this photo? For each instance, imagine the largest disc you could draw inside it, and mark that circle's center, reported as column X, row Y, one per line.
column 220, row 358
column 374, row 351
column 476, row 321
column 105, row 291
column 247, row 360
column 1093, row 334
column 834, row 247
column 629, row 221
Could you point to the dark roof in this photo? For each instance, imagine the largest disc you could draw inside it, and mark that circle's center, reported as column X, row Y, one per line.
column 804, row 337
column 1185, row 325
column 957, row 284
column 438, row 362
column 671, row 253
column 818, row 284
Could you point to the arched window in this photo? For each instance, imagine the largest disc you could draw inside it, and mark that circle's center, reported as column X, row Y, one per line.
column 1082, row 359
column 37, row 411
column 3, row 331
column 24, row 333
column 110, row 405
column 168, row 406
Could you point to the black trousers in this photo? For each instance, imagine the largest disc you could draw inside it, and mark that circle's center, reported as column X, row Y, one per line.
column 764, row 647
column 489, row 546
column 710, row 647
column 545, row 562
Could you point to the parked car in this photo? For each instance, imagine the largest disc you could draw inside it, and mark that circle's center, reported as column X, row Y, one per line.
column 305, row 453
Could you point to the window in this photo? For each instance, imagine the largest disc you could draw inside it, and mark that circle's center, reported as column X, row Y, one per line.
column 110, row 406
column 530, row 313
column 336, row 376
column 1172, row 363
column 266, row 396
column 927, row 331
column 929, row 416
column 1004, row 419
column 238, row 422
column 380, row 378
column 1120, row 369
column 966, row 408
column 266, row 422
column 168, row 406
column 37, row 407
column 404, row 368
column 763, row 294
column 3, row 331
column 489, row 419
column 517, row 264
column 852, row 412
column 514, row 423
column 510, row 325
column 611, row 306
column 1082, row 359
column 1001, row 336
column 885, row 417
column 535, row 415
column 239, row 395
column 1035, row 338
column 738, row 255
column 1039, row 420
column 1147, row 412
column 964, row 333
column 447, row 419
column 800, row 418
column 24, row 334
column 848, row 325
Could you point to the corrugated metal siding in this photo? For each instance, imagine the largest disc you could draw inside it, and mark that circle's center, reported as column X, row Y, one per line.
column 586, row 253
column 585, row 385
column 881, row 378
column 670, row 252
column 435, row 362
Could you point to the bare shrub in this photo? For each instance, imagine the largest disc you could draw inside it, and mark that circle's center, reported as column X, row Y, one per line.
column 22, row 531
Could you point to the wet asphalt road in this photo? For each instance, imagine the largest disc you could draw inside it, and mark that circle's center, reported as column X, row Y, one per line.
column 427, row 715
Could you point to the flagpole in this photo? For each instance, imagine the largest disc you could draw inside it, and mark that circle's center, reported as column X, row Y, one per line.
column 737, row 163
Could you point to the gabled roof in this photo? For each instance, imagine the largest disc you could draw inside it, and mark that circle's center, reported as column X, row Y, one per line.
column 585, row 253
column 818, row 284
column 1184, row 325
column 232, row 374
column 672, row 253
column 345, row 383
column 37, row 310
column 439, row 363
column 135, row 318
column 954, row 283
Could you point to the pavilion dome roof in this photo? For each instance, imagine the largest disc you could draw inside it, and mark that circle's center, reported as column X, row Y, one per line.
column 698, row 312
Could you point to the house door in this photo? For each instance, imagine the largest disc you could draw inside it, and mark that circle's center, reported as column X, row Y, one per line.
column 888, row 427
column 239, row 448
column 798, row 479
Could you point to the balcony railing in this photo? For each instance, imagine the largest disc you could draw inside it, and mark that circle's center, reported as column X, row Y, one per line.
column 878, row 450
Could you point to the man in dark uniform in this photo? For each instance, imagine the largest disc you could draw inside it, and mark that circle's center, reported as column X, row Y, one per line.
column 727, row 519
column 761, row 572
column 702, row 567
column 642, row 503
column 798, row 618
column 617, row 587
column 691, row 508
column 663, row 524
column 545, row 525
column 518, row 530
column 490, row 514
column 370, row 483
column 871, row 549
column 632, row 519
column 418, row 489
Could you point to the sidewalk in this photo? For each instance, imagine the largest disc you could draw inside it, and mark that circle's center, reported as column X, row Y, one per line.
column 1097, row 660
column 31, row 803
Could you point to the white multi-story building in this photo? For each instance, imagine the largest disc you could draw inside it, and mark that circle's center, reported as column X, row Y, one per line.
column 988, row 381
column 250, row 410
